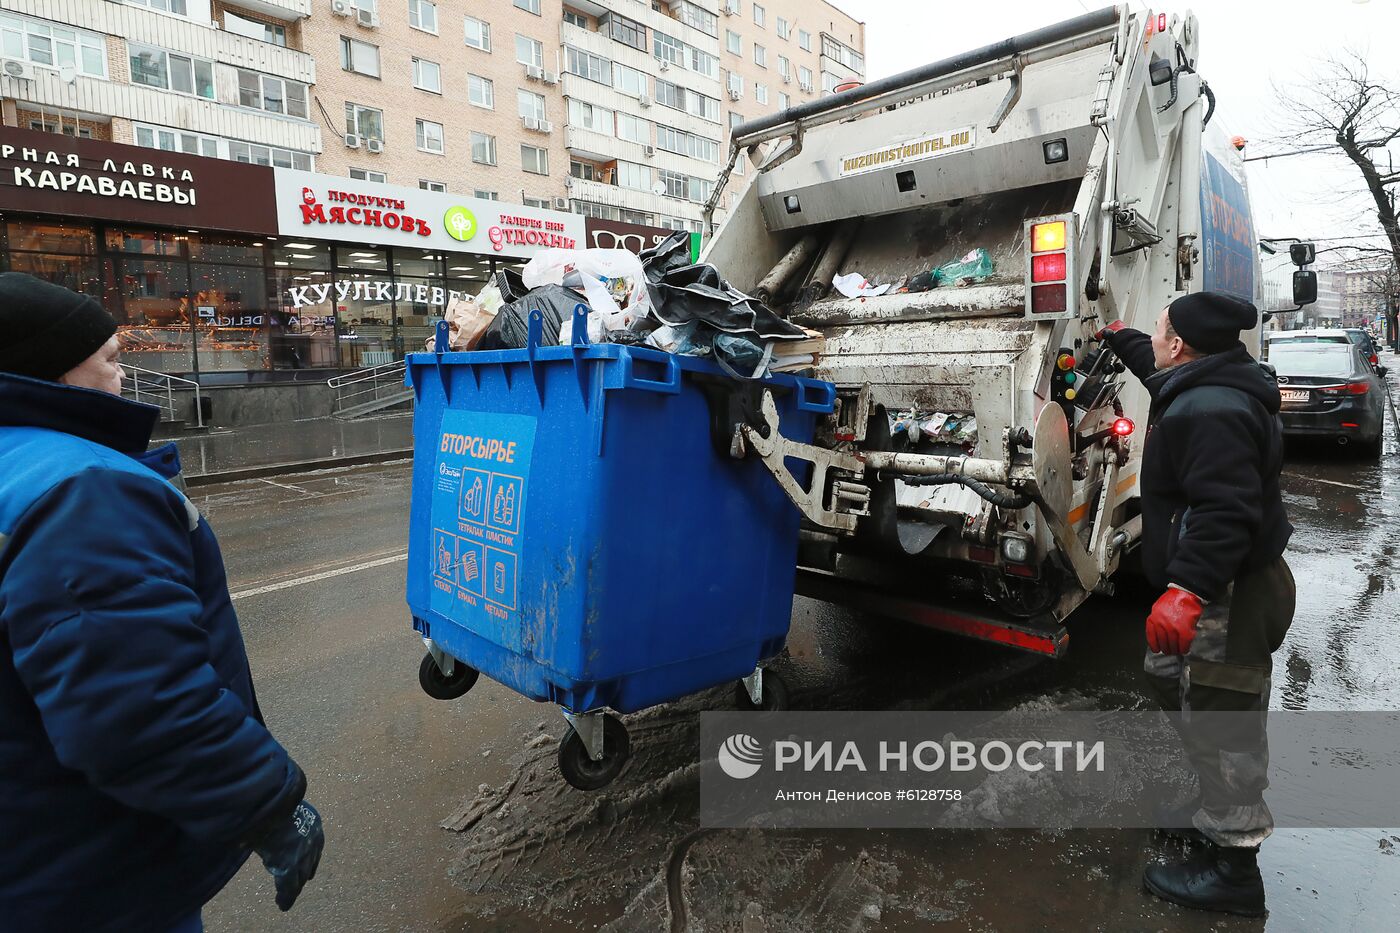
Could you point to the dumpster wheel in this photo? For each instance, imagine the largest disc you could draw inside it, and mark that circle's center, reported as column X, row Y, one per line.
column 581, row 770
column 774, row 693
column 442, row 686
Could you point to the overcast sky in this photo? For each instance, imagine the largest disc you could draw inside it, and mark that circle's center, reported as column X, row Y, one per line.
column 1247, row 47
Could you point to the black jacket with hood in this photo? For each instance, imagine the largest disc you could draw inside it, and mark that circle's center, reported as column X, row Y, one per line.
column 1211, row 507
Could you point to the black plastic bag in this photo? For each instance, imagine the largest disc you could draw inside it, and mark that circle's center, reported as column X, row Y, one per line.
column 511, row 328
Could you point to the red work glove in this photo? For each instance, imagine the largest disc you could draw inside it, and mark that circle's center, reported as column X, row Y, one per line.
column 1171, row 625
column 1110, row 328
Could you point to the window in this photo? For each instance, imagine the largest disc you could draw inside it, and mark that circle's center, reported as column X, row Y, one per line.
column 61, row 128
column 486, row 195
column 256, row 154
column 842, row 53
column 534, row 160
column 692, row 102
column 584, row 170
column 735, row 83
column 537, row 202
column 759, row 15
column 677, row 52
column 629, row 80
column 633, row 129
column 784, row 29
column 632, row 175
column 735, row 118
column 483, row 149
column 52, row 46
column 428, row 136
column 829, row 82
column 667, row 48
column 427, row 76
column 364, row 174
column 365, row 122
column 529, row 51
column 252, row 29
column 784, row 67
column 529, row 6
column 760, row 56
column 529, row 104
column 155, row 137
column 481, row 92
column 804, row 40
column 166, row 70
column 784, row 101
column 478, row 34
column 274, row 95
column 591, row 117
column 422, row 14
column 426, row 185
column 732, row 42
column 734, row 6
column 626, row 31
column 586, row 65
column 166, row 6
column 687, row 187
column 369, row 6
column 574, row 18
column 359, row 57
column 804, row 77
column 760, row 93
column 698, row 17
column 686, row 144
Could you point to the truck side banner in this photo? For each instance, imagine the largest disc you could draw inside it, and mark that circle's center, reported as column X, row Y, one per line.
column 1227, row 231
column 915, row 150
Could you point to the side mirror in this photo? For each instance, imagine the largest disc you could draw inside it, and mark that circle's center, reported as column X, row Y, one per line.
column 1304, row 287
column 1302, row 254
column 1266, row 317
column 1382, row 370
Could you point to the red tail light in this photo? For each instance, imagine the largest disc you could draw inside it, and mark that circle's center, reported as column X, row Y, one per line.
column 1374, row 360
column 1048, row 299
column 1123, row 427
column 1161, row 22
column 1048, row 268
column 1351, row 388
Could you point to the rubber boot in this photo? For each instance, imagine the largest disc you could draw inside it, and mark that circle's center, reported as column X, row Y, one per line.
column 1213, row 878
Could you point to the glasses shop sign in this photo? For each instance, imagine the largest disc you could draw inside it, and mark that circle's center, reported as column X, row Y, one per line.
column 333, row 208
column 48, row 173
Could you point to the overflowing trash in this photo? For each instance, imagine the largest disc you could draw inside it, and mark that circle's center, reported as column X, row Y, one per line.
column 936, row 427
column 658, row 298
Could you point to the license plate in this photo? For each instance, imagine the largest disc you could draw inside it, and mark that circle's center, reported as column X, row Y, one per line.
column 1294, row 395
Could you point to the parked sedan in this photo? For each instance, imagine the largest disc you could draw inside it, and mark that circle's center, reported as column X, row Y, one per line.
column 1330, row 389
column 1362, row 339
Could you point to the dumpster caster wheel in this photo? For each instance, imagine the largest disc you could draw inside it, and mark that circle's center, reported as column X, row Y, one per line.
column 581, row 771
column 775, row 695
column 442, row 687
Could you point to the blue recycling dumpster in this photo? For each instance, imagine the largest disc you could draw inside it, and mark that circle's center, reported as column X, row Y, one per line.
column 578, row 534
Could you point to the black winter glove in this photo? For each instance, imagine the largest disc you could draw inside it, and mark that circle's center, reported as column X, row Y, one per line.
column 291, row 851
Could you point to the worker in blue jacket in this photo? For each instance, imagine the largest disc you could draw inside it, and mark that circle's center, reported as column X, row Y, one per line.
column 136, row 774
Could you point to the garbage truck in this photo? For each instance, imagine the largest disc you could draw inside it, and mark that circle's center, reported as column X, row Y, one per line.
column 980, row 471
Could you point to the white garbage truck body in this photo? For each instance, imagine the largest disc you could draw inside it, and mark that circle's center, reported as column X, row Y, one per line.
column 999, row 448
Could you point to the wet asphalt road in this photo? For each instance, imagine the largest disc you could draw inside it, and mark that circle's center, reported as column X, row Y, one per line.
column 316, row 565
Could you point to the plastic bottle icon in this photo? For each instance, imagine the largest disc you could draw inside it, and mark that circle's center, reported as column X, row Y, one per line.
column 508, row 507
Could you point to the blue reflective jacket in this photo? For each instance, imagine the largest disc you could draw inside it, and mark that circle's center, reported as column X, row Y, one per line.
column 134, row 764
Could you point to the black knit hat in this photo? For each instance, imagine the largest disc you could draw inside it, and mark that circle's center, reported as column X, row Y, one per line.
column 46, row 329
column 1210, row 322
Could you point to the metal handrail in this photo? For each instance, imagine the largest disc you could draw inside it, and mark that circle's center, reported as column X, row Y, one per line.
column 158, row 385
column 374, row 379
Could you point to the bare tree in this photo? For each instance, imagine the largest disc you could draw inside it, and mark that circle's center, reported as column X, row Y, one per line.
column 1348, row 107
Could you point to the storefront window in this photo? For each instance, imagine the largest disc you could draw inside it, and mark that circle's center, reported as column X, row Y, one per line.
column 233, row 323
column 51, row 237
column 146, row 242
column 300, row 254
column 150, row 300
column 362, row 258
column 213, row 247
column 364, row 325
column 80, row 273
column 302, row 333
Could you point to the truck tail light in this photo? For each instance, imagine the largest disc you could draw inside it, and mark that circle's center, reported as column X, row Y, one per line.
column 1049, row 299
column 1048, row 236
column 1123, row 427
column 1048, row 268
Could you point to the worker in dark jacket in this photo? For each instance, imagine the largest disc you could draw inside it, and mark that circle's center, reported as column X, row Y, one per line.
column 1213, row 536
column 136, row 774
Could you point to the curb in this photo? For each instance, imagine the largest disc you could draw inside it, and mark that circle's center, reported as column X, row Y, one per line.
column 295, row 466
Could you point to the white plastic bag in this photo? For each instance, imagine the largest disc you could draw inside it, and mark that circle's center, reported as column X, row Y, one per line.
column 611, row 279
column 855, row 285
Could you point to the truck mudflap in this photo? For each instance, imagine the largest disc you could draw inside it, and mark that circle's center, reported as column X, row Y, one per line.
column 1042, row 635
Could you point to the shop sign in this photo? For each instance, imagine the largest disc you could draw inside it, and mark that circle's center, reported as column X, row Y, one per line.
column 388, row 215
column 381, row 291
column 46, row 173
column 614, row 234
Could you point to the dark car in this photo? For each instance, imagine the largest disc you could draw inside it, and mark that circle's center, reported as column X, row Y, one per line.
column 1363, row 340
column 1329, row 390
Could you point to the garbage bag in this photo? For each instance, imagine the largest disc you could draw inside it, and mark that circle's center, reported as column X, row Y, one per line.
column 467, row 321
column 612, row 280
column 976, row 266
column 682, row 292
column 511, row 328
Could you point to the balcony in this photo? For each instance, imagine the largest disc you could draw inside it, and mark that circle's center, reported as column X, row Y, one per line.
column 289, row 10
column 147, row 27
column 602, row 95
column 153, row 105
column 599, row 43
column 632, row 200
